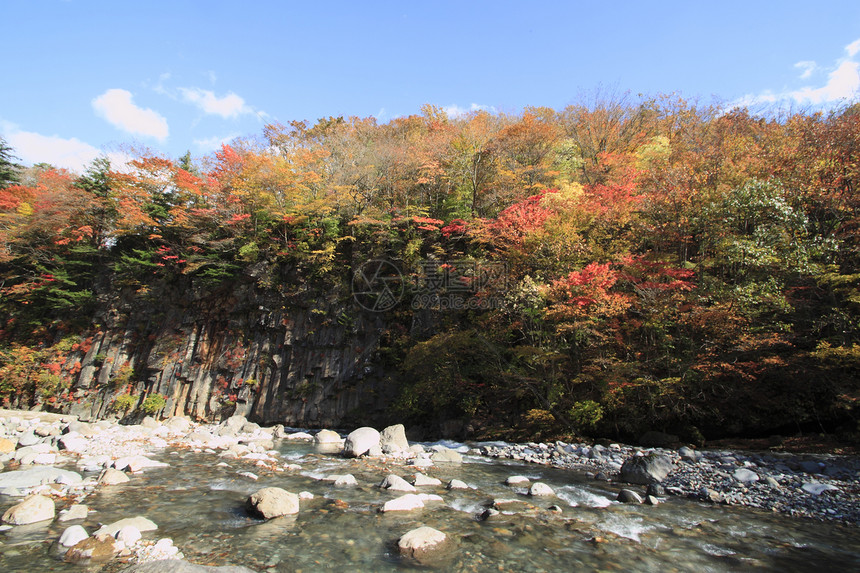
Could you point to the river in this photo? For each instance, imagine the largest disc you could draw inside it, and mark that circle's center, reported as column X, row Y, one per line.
column 199, row 503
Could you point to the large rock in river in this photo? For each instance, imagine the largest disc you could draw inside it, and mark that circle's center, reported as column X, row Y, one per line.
column 424, row 545
column 540, row 489
column 393, row 440
column 7, row 446
column 327, row 437
column 34, row 509
column 644, row 470
column 446, row 455
column 202, row 436
column 111, row 476
column 360, row 442
column 629, row 496
column 272, row 502
column 396, row 483
column 73, row 535
column 75, row 512
column 37, row 476
column 231, row 426
column 422, row 480
column 28, row 439
column 139, row 522
column 178, row 424
column 98, row 548
column 406, row 502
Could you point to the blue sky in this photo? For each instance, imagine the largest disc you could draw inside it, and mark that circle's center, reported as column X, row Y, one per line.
column 83, row 77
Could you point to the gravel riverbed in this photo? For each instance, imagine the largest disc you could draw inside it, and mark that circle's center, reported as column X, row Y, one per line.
column 802, row 485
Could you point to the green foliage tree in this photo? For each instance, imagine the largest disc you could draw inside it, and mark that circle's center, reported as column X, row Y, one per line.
column 153, row 403
column 9, row 170
column 125, row 402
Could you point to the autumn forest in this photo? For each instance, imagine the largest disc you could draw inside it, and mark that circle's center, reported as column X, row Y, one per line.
column 668, row 265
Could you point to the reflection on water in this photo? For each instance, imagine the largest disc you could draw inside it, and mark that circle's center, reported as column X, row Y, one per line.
column 199, row 503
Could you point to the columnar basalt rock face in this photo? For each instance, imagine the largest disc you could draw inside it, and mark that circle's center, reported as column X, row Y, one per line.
column 299, row 361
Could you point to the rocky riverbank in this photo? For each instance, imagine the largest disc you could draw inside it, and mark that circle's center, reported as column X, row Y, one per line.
column 801, row 485
column 37, row 449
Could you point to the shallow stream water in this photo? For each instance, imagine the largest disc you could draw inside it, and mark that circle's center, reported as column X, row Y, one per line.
column 200, row 505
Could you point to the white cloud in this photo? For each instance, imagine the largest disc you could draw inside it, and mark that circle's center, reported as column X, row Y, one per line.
column 807, row 66
column 843, row 83
column 481, row 107
column 455, row 110
column 228, row 106
column 213, row 143
column 117, row 107
column 68, row 153
column 71, row 154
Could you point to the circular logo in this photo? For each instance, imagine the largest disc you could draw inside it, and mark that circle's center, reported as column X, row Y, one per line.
column 377, row 285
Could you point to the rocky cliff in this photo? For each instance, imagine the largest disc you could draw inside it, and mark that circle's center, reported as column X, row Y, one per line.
column 299, row 358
